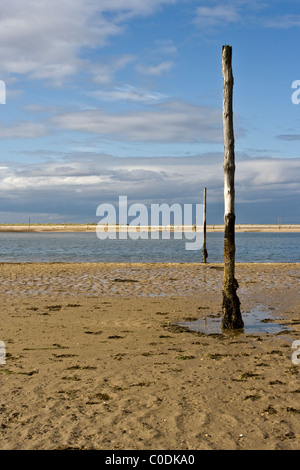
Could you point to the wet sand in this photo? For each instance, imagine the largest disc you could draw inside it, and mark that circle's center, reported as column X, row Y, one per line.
column 95, row 359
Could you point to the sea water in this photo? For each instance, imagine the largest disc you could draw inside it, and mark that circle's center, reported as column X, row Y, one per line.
column 86, row 247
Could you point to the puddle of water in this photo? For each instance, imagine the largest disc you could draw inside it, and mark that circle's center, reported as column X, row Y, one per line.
column 255, row 322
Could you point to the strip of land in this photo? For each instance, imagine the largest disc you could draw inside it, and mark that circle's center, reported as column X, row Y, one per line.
column 283, row 228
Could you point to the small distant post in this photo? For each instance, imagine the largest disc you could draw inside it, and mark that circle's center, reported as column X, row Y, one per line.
column 232, row 318
column 204, row 251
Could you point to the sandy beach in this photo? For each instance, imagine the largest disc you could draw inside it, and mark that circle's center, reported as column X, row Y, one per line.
column 283, row 228
column 95, row 358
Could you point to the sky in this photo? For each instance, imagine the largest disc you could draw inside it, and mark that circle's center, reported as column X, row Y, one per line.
column 108, row 98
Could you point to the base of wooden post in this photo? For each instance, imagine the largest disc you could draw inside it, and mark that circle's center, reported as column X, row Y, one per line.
column 232, row 318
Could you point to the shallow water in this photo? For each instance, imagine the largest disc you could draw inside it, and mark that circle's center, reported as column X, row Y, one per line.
column 255, row 322
column 86, row 247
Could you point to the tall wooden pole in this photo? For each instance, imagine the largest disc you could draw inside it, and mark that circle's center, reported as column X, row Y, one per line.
column 204, row 251
column 232, row 317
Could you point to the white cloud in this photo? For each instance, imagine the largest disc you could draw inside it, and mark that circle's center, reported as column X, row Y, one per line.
column 284, row 21
column 78, row 184
column 102, row 177
column 104, row 73
column 171, row 122
column 23, row 130
column 217, row 15
column 155, row 70
column 164, row 47
column 44, row 39
column 264, row 173
column 129, row 93
column 36, row 183
column 243, row 12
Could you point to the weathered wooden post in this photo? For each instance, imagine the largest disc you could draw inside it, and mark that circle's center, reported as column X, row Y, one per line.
column 232, row 317
column 204, row 251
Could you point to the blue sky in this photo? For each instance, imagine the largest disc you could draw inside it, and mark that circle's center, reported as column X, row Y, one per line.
column 108, row 98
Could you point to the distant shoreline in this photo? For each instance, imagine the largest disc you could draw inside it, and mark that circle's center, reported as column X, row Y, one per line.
column 69, row 228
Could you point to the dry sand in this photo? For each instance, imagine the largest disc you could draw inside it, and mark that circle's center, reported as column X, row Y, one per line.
column 94, row 360
column 282, row 228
